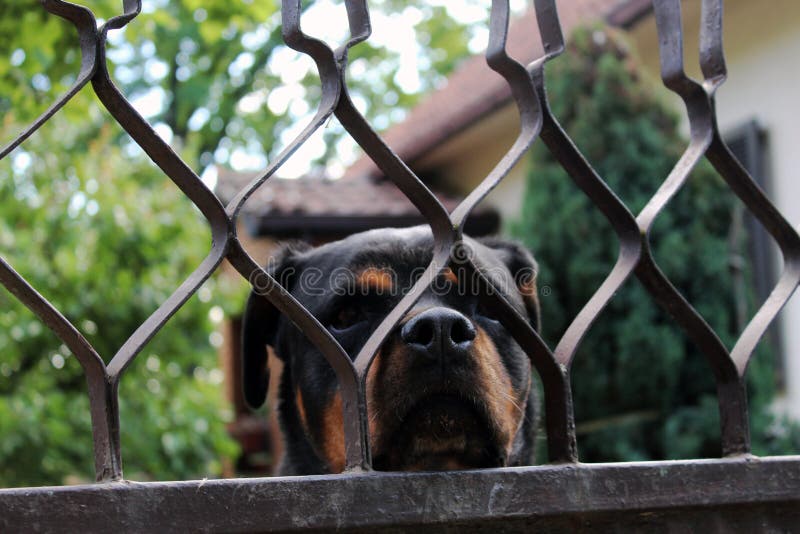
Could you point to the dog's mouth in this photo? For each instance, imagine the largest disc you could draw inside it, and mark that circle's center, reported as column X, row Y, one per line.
column 441, row 432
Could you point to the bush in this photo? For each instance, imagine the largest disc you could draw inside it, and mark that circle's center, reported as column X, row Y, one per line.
column 106, row 238
column 641, row 389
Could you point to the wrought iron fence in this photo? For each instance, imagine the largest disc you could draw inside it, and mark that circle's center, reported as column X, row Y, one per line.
column 756, row 483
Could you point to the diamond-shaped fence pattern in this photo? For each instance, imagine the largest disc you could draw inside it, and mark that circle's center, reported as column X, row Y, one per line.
column 527, row 84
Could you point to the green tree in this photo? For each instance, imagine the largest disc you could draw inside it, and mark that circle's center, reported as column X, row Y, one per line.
column 641, row 389
column 212, row 69
column 106, row 237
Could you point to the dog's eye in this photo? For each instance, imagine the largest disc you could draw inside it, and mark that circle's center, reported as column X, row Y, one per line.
column 346, row 317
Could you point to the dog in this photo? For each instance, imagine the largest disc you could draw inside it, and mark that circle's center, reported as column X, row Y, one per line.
column 449, row 387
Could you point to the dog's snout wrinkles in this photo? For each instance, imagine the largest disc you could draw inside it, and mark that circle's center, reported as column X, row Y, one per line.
column 439, row 332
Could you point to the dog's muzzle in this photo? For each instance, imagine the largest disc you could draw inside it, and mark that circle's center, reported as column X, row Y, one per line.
column 440, row 334
column 440, row 419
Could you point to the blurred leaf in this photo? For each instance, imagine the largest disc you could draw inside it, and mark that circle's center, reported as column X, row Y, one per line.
column 106, row 238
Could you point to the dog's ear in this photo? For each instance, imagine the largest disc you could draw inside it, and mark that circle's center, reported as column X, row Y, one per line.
column 260, row 324
column 524, row 269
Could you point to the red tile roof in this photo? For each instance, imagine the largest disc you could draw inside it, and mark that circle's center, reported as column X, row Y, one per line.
column 318, row 205
column 473, row 90
column 627, row 14
column 312, row 195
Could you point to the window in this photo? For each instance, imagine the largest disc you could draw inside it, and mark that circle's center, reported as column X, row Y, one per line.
column 749, row 144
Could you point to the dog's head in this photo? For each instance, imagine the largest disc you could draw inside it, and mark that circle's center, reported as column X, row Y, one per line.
column 449, row 387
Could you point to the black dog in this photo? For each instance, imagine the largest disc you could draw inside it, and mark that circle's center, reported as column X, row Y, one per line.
column 449, row 388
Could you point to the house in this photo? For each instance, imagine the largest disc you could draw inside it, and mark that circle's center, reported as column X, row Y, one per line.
column 454, row 137
column 758, row 112
column 458, row 133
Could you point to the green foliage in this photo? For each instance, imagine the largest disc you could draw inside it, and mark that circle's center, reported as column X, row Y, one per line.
column 641, row 389
column 106, row 238
column 213, row 68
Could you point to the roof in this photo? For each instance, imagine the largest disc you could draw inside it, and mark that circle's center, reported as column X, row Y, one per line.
column 319, row 206
column 627, row 14
column 473, row 91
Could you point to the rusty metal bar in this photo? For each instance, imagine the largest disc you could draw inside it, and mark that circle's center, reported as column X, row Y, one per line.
column 330, row 65
column 104, row 415
column 85, row 23
column 701, row 495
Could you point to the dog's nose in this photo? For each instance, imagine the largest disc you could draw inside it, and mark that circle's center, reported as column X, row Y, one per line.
column 439, row 332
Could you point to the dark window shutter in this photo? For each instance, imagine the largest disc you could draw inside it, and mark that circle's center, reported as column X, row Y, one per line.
column 748, row 143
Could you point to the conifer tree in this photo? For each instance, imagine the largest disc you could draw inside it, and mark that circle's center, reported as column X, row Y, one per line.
column 641, row 389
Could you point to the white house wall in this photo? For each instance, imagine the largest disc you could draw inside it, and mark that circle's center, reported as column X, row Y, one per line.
column 762, row 44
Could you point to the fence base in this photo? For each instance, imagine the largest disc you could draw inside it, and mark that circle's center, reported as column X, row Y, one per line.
column 744, row 494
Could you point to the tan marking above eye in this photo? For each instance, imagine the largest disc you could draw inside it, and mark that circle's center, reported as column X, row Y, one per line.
column 528, row 289
column 375, row 278
column 449, row 275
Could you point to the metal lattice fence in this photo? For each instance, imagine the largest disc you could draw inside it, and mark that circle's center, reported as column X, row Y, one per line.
column 527, row 83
